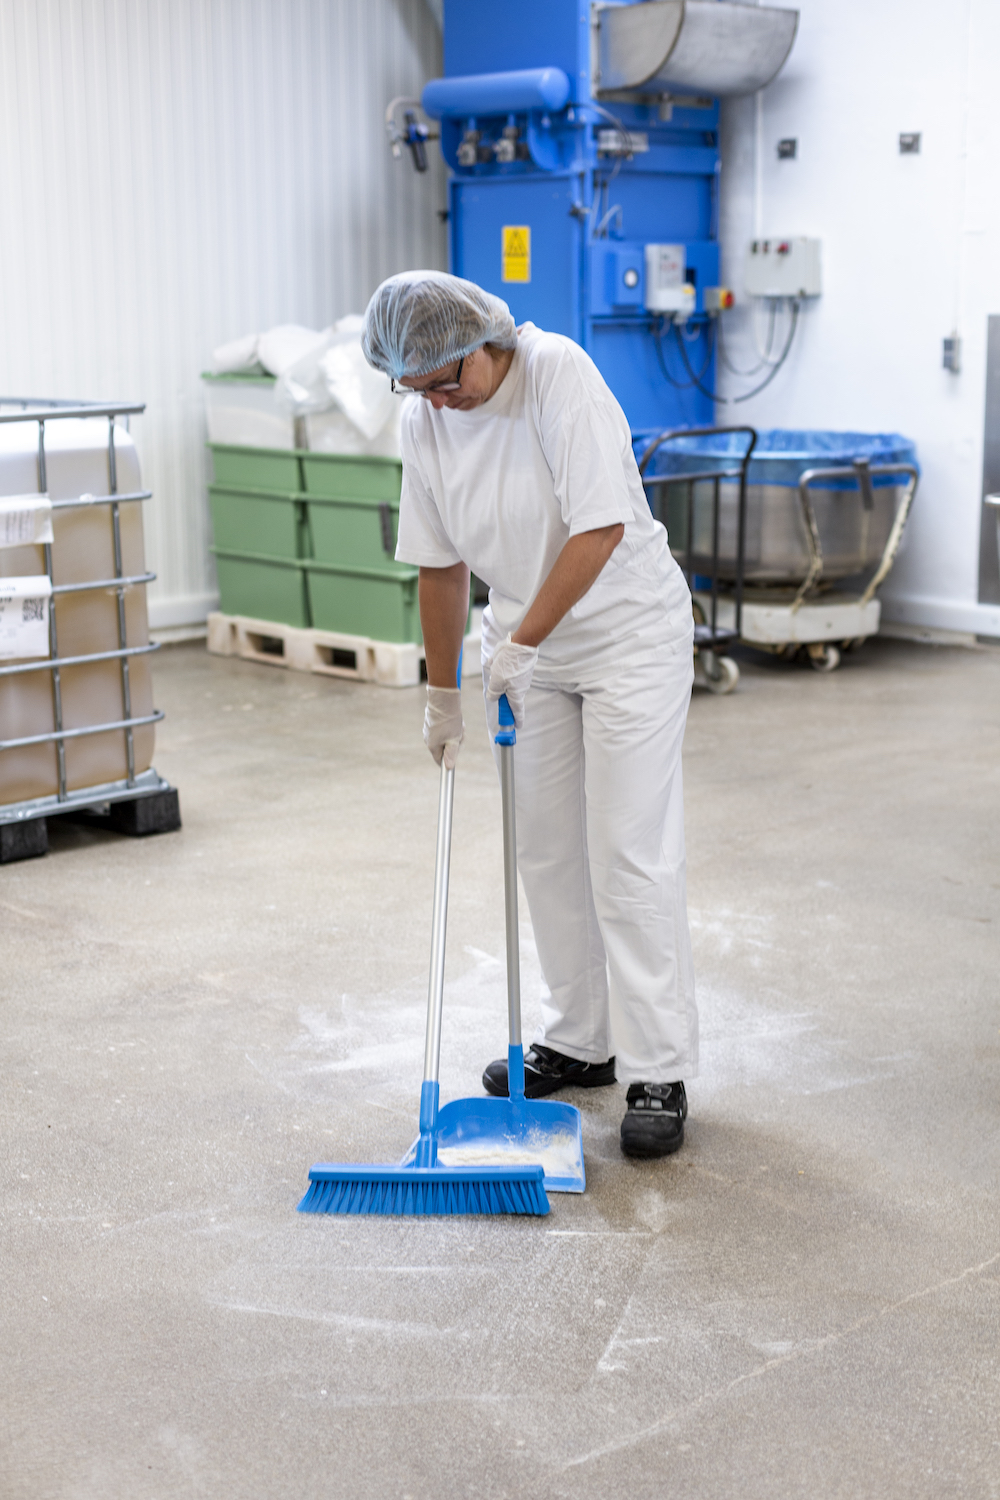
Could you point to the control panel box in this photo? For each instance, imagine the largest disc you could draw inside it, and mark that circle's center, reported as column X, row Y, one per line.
column 667, row 287
column 633, row 279
column 783, row 268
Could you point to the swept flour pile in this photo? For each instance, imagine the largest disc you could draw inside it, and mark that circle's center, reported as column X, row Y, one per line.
column 559, row 1155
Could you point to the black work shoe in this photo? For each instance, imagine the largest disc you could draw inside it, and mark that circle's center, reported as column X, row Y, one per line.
column 546, row 1071
column 654, row 1124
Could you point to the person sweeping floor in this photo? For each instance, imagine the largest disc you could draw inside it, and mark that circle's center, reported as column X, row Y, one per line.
column 518, row 465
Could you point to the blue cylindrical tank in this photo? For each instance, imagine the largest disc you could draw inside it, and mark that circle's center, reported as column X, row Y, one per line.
column 497, row 93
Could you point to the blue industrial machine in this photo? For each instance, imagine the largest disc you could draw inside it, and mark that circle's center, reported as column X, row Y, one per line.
column 583, row 142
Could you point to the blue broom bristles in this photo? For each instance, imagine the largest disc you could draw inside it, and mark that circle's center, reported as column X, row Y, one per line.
column 425, row 1190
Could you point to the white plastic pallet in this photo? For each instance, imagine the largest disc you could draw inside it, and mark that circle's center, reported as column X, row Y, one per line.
column 355, row 657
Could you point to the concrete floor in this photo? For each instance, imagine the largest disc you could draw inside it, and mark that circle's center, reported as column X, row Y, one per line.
column 804, row 1302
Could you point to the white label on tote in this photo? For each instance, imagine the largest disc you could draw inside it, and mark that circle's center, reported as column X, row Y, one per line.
column 25, row 519
column 24, row 616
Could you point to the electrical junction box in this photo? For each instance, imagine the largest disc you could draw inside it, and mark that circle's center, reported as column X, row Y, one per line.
column 685, row 278
column 667, row 287
column 623, row 277
column 783, row 268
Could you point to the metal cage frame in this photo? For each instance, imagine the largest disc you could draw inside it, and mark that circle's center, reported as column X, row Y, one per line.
column 709, row 636
column 43, row 410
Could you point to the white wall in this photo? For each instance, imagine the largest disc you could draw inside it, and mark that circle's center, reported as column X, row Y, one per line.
column 174, row 173
column 911, row 251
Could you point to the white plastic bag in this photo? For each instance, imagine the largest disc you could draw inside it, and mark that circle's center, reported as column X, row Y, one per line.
column 364, row 395
column 301, row 388
column 286, row 345
column 271, row 352
column 333, row 373
column 238, row 357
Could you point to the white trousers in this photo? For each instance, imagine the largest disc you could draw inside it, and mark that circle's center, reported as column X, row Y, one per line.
column 600, row 846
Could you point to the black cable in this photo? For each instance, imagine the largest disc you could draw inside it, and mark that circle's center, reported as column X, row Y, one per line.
column 696, row 379
column 784, row 355
column 680, row 385
column 658, row 341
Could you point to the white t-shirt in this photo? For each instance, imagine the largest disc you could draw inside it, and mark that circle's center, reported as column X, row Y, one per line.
column 503, row 487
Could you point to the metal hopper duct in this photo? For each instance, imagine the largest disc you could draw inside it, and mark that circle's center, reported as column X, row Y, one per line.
column 712, row 47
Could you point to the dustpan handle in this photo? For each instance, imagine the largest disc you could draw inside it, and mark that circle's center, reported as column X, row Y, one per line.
column 506, row 739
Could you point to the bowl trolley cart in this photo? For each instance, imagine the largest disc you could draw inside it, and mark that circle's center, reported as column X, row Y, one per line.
column 139, row 803
column 718, row 617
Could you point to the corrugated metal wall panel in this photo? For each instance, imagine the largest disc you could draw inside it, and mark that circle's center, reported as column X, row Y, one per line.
column 174, row 173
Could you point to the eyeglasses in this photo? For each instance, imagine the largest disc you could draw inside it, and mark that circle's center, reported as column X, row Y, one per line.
column 441, row 388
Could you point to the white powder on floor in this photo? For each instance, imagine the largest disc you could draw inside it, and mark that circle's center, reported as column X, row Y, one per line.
column 559, row 1155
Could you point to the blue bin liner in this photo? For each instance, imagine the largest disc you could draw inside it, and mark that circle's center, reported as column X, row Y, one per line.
column 782, row 455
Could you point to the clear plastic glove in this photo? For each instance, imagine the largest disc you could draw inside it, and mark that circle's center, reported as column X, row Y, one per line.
column 444, row 727
column 511, row 671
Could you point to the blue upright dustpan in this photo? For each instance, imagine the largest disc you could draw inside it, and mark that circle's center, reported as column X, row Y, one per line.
column 516, row 1129
column 491, row 1182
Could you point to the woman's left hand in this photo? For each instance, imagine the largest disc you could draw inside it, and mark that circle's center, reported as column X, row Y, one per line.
column 511, row 671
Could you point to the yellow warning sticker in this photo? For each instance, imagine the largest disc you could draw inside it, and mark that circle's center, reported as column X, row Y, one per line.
column 516, row 252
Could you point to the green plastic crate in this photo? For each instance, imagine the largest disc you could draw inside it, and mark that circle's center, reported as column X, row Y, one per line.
column 351, row 477
column 356, row 534
column 274, row 469
column 265, row 588
column 364, row 602
column 254, row 521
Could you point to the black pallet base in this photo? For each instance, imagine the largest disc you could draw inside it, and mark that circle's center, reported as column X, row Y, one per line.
column 159, row 812
column 23, row 840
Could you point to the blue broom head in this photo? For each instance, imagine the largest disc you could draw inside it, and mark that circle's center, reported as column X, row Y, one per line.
column 337, row 1189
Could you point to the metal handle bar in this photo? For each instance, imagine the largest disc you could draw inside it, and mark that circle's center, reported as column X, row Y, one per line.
column 680, row 432
column 861, row 472
column 40, row 410
column 84, row 501
column 87, row 500
column 58, row 735
column 439, row 934
column 506, row 738
column 439, row 926
column 650, row 479
column 103, row 583
column 47, row 663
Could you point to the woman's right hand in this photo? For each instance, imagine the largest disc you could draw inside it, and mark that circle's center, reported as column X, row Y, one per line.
column 444, row 727
column 511, row 668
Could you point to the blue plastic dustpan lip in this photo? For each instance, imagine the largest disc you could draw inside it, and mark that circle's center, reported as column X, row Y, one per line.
column 541, row 1114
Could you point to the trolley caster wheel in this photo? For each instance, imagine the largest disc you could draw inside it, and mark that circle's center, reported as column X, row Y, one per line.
column 824, row 656
column 721, row 673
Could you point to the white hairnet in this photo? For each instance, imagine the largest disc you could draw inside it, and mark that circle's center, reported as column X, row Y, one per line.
column 421, row 321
